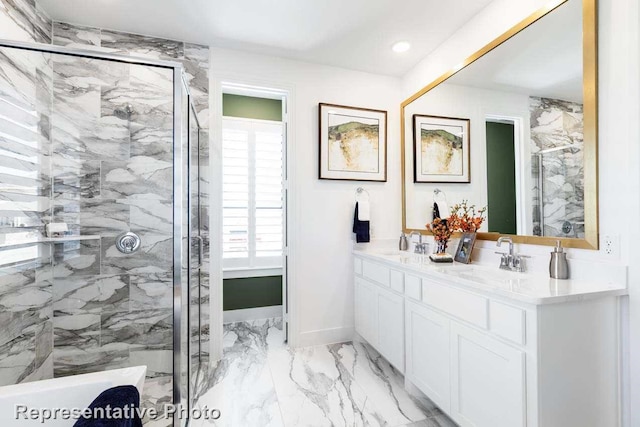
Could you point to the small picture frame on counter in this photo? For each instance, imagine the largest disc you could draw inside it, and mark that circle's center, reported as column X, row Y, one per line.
column 465, row 248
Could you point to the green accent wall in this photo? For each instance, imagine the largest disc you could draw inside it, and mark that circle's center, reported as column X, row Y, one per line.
column 501, row 178
column 251, row 292
column 250, row 107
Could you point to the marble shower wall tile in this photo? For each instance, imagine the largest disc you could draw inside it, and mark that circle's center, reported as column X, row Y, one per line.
column 92, row 295
column 138, row 178
column 152, row 216
column 72, row 361
column 556, row 123
column 76, row 331
column 75, row 179
column 110, row 128
column 25, row 108
column 159, row 363
column 24, row 20
column 76, row 36
column 42, row 25
column 104, row 217
column 24, row 291
column 143, row 46
column 196, row 66
column 154, row 256
column 17, row 358
column 151, row 291
column 142, row 330
column 73, row 259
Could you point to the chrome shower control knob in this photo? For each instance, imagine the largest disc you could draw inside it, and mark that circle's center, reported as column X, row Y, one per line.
column 128, row 242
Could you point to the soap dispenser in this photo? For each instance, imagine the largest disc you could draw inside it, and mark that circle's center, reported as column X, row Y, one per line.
column 558, row 266
column 403, row 245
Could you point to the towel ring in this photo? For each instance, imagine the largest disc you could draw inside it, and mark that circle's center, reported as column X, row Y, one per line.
column 436, row 193
column 360, row 191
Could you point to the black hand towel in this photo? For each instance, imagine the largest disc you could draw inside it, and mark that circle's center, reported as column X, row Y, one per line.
column 361, row 228
column 436, row 211
column 116, row 397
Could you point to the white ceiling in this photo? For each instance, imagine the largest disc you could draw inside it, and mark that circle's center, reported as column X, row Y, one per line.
column 355, row 34
column 543, row 60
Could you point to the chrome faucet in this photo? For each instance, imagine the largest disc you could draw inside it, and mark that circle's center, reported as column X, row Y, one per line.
column 507, row 239
column 419, row 248
column 511, row 261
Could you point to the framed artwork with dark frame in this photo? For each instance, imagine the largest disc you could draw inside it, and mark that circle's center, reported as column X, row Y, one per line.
column 441, row 149
column 353, row 143
column 465, row 248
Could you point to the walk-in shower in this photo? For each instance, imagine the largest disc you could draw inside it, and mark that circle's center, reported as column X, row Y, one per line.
column 104, row 144
column 558, row 205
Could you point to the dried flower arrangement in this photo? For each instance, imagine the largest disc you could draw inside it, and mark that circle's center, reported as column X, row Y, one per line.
column 440, row 229
column 465, row 218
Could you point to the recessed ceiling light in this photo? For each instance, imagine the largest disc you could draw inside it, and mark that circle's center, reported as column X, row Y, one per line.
column 401, row 46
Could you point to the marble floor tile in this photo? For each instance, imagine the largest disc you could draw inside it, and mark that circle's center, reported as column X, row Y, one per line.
column 384, row 384
column 314, row 389
column 262, row 382
column 241, row 385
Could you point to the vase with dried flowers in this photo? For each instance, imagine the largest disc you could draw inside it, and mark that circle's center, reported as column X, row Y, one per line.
column 465, row 218
column 441, row 231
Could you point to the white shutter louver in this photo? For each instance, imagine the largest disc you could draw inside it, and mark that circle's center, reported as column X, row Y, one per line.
column 252, row 193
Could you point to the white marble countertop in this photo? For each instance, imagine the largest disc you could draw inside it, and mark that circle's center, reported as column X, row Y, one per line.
column 524, row 287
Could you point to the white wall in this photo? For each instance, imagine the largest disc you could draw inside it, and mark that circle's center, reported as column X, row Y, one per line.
column 619, row 141
column 323, row 210
column 492, row 21
column 476, row 105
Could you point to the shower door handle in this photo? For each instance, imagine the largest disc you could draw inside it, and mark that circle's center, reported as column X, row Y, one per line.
column 200, row 250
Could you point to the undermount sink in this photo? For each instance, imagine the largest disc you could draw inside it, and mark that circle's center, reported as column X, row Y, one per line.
column 481, row 274
column 392, row 252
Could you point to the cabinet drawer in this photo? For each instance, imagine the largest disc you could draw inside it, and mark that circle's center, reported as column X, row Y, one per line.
column 412, row 286
column 375, row 272
column 466, row 306
column 357, row 266
column 507, row 322
column 397, row 281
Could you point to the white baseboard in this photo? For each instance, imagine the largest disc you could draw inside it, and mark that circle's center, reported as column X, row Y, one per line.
column 246, row 314
column 325, row 336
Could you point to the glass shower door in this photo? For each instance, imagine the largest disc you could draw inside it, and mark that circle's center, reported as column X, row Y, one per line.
column 559, row 205
column 196, row 256
column 86, row 142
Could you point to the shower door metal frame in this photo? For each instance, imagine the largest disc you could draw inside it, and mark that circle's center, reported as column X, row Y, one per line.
column 178, row 85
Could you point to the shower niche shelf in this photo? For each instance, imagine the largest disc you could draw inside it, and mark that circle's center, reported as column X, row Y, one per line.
column 52, row 240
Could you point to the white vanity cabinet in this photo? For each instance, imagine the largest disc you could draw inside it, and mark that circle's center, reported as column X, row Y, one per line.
column 488, row 359
column 379, row 315
column 487, row 380
column 428, row 353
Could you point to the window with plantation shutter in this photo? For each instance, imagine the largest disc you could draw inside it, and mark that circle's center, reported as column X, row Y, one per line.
column 24, row 187
column 252, row 193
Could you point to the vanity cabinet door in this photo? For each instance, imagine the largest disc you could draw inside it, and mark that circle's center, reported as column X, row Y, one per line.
column 390, row 327
column 428, row 357
column 366, row 311
column 488, row 380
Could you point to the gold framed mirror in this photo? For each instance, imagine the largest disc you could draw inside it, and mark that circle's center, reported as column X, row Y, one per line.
column 537, row 86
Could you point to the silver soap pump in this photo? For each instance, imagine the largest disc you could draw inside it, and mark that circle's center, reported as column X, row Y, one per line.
column 403, row 245
column 558, row 266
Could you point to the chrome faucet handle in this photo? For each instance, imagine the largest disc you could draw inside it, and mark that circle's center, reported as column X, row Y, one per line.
column 519, row 263
column 504, row 260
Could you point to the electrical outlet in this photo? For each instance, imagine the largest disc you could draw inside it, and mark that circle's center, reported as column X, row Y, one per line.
column 611, row 245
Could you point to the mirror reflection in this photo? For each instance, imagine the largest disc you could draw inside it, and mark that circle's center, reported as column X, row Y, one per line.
column 506, row 132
